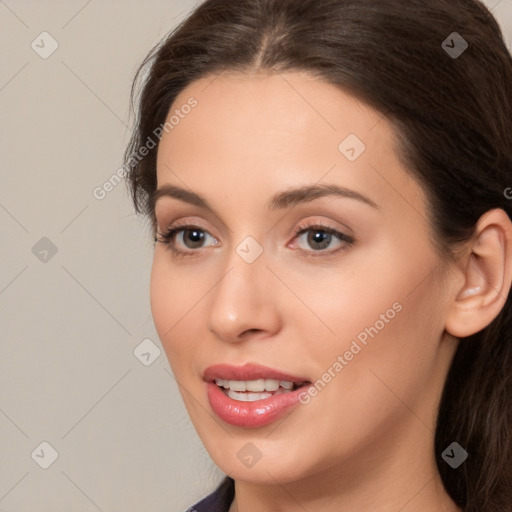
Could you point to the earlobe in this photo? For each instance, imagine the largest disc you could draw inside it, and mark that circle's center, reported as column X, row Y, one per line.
column 487, row 277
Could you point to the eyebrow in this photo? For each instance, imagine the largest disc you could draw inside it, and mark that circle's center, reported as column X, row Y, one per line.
column 281, row 200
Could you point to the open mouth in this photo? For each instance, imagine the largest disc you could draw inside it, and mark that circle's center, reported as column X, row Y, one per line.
column 252, row 395
column 260, row 389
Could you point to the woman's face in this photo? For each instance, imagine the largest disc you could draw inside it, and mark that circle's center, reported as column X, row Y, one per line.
column 361, row 311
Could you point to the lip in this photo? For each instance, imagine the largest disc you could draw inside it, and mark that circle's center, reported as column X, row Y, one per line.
column 250, row 414
column 249, row 371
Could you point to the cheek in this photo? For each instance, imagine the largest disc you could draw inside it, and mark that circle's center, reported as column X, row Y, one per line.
column 384, row 312
column 389, row 360
column 162, row 303
column 173, row 299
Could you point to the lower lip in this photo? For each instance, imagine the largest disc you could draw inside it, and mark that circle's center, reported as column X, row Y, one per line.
column 251, row 414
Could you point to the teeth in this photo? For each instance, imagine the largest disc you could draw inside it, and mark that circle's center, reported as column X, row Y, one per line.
column 257, row 386
column 271, row 385
column 247, row 397
column 237, row 385
column 251, row 385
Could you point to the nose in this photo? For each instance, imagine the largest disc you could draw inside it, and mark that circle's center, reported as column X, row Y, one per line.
column 243, row 302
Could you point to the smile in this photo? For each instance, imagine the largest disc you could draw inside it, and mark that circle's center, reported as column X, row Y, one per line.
column 252, row 395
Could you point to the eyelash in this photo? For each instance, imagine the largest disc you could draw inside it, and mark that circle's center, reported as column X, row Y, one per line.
column 167, row 238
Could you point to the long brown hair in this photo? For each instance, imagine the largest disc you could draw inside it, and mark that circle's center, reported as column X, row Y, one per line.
column 449, row 97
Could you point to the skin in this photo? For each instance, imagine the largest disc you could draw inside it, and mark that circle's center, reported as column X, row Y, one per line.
column 365, row 442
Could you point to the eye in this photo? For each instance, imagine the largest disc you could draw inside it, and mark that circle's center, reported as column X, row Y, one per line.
column 192, row 238
column 320, row 237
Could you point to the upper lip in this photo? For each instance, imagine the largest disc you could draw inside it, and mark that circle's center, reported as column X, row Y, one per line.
column 249, row 371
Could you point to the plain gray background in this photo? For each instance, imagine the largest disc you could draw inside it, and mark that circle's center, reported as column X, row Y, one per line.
column 74, row 273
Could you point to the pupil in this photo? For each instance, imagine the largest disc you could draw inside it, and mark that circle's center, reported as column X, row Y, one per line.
column 321, row 238
column 195, row 236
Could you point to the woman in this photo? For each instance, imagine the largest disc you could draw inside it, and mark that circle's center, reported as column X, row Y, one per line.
column 328, row 183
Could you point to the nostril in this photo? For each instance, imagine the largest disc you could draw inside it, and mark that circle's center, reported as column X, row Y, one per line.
column 250, row 331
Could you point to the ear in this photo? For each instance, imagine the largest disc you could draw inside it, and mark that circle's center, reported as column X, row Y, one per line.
column 487, row 276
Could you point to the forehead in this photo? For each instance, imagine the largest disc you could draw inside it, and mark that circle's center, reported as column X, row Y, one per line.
column 280, row 105
column 261, row 132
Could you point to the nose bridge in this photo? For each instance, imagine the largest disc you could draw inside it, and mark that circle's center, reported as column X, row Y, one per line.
column 241, row 300
column 245, row 265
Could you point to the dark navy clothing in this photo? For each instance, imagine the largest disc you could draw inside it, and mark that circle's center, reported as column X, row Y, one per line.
column 219, row 501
